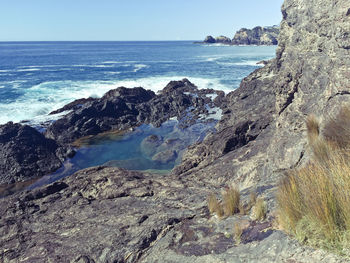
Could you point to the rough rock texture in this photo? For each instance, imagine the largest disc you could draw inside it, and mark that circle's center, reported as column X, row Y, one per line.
column 25, row 153
column 223, row 40
column 112, row 215
column 124, row 108
column 262, row 132
column 256, row 36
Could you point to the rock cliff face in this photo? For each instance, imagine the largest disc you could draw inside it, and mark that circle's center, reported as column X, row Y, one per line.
column 263, row 133
column 111, row 215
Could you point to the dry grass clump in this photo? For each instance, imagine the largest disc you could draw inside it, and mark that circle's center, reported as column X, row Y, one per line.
column 230, row 205
column 231, row 200
column 214, row 206
column 237, row 233
column 314, row 201
column 260, row 209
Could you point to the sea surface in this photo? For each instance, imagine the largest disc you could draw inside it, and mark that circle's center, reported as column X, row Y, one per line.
column 38, row 77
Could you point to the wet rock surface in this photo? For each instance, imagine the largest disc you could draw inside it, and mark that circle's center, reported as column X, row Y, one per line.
column 25, row 153
column 124, row 108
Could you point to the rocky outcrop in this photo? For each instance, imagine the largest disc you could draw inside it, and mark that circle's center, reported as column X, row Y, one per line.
column 209, row 40
column 223, row 40
column 25, row 153
column 262, row 132
column 125, row 108
column 256, row 36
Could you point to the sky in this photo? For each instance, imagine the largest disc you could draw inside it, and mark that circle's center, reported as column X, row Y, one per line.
column 74, row 20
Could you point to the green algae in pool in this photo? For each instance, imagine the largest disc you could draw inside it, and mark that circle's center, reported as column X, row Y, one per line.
column 145, row 148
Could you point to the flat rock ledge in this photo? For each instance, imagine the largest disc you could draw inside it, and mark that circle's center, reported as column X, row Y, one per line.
column 112, row 215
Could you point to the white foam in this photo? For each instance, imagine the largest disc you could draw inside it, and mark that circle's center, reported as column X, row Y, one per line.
column 28, row 69
column 39, row 100
column 212, row 96
column 139, row 67
column 111, row 62
column 241, row 63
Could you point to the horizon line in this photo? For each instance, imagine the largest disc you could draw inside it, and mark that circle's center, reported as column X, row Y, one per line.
column 99, row 40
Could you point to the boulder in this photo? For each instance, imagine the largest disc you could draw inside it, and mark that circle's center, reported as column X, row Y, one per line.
column 25, row 153
column 165, row 157
column 209, row 40
column 223, row 40
column 150, row 144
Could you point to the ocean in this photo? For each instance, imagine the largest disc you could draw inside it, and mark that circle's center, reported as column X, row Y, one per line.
column 39, row 77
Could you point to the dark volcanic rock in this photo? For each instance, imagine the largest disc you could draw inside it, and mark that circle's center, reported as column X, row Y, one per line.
column 257, row 36
column 124, row 108
column 25, row 153
column 74, row 105
column 209, row 40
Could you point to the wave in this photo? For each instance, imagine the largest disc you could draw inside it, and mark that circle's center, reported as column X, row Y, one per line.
column 37, row 101
column 139, row 67
column 28, row 69
column 241, row 63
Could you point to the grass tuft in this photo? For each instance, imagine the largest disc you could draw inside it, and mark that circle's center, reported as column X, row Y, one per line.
column 237, row 233
column 214, row 206
column 230, row 205
column 260, row 209
column 314, row 201
column 231, row 200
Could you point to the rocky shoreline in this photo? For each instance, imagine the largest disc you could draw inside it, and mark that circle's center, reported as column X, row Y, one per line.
column 256, row 36
column 26, row 153
column 113, row 215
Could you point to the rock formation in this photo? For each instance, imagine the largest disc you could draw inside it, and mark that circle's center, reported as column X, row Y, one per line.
column 124, row 108
column 209, row 40
column 256, row 36
column 25, row 153
column 223, row 40
column 112, row 215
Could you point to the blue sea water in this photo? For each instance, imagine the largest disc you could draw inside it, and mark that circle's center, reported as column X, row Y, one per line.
column 38, row 77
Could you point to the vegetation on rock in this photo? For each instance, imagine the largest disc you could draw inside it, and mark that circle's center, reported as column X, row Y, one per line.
column 314, row 201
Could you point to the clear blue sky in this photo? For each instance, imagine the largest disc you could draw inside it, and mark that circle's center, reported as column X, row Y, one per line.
column 31, row 20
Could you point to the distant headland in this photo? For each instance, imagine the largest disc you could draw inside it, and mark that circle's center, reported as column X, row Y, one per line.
column 256, row 36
